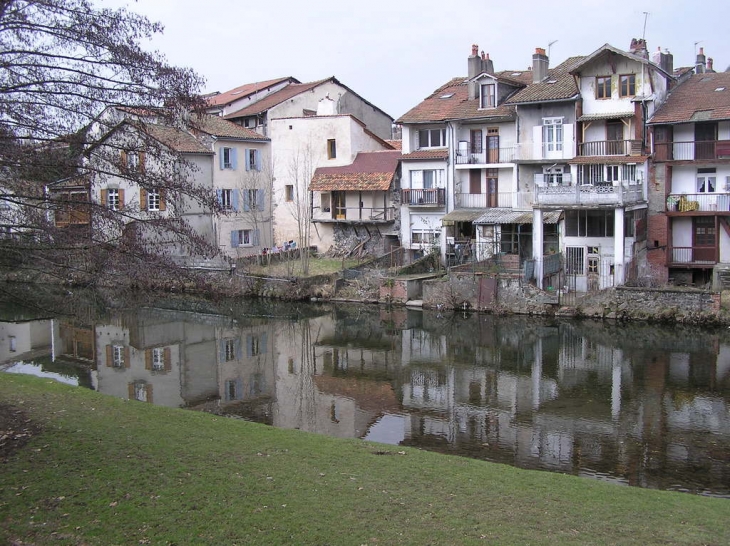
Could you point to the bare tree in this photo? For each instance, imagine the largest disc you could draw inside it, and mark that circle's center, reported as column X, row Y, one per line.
column 301, row 169
column 62, row 63
column 255, row 187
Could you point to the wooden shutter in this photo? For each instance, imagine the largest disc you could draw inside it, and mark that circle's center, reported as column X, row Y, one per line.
column 168, row 359
column 262, row 343
column 260, row 199
column 221, row 158
column 234, row 158
column 122, row 161
column 163, row 204
column 237, row 348
column 219, row 196
column 130, row 391
column 234, row 238
column 142, row 199
column 247, row 155
column 234, row 199
column 141, row 157
column 148, row 388
column 246, row 200
column 249, row 345
column 257, row 159
column 256, row 239
column 148, row 359
column 104, row 198
column 222, row 350
column 121, row 198
column 109, row 356
column 127, row 362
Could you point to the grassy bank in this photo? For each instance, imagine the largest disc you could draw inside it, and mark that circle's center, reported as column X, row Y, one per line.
column 106, row 471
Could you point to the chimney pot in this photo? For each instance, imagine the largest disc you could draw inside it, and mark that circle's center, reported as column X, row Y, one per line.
column 539, row 51
column 709, row 64
column 474, row 50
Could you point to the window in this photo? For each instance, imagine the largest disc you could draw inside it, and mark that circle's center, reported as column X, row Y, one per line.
column 613, row 173
column 256, row 344
column 228, row 158
column 253, row 200
column 233, row 389
column 230, row 350
column 226, row 199
column 112, row 199
column 13, row 343
column 118, row 356
column 253, row 160
column 289, row 192
column 706, row 180
column 552, row 134
column 476, row 141
column 331, row 148
column 243, row 237
column 553, row 175
column 589, row 223
column 574, row 260
column 132, row 162
column 158, row 359
column 627, row 85
column 425, row 237
column 603, row 87
column 432, row 138
column 326, row 202
column 153, row 200
column 427, row 179
column 488, row 95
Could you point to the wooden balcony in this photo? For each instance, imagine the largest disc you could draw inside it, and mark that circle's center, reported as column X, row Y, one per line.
column 466, row 155
column 588, row 195
column 692, row 256
column 359, row 215
column 601, row 148
column 689, row 204
column 435, row 197
column 513, row 200
column 692, row 151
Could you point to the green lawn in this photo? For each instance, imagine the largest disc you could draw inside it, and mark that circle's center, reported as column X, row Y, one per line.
column 108, row 471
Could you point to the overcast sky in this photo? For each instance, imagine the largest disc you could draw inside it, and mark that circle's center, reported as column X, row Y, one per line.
column 396, row 52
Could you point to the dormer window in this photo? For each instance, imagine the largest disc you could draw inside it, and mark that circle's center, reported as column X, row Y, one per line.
column 432, row 138
column 487, row 95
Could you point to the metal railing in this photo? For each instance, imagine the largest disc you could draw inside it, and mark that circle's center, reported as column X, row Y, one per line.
column 610, row 147
column 465, row 155
column 543, row 179
column 435, row 197
column 514, row 200
column 689, row 151
column 699, row 202
column 692, row 255
column 355, row 214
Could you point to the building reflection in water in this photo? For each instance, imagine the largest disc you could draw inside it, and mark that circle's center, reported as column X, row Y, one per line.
column 635, row 404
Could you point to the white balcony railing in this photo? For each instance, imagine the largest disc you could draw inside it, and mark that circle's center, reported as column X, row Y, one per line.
column 698, row 202
column 588, row 194
column 511, row 200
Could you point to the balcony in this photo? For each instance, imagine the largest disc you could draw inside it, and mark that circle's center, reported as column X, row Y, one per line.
column 688, row 256
column 521, row 200
column 588, row 195
column 601, row 148
column 698, row 202
column 465, row 155
column 553, row 179
column 435, row 197
column 360, row 215
column 691, row 151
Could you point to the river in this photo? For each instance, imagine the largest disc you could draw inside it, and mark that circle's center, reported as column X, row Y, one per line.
column 634, row 404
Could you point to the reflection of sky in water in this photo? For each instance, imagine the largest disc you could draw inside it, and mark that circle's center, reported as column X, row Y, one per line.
column 389, row 429
column 35, row 369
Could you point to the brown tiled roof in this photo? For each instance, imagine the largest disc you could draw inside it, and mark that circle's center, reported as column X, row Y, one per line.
column 291, row 90
column 607, row 50
column 244, row 90
column 395, row 144
column 371, row 171
column 441, row 153
column 175, row 139
column 607, row 159
column 559, row 84
column 219, row 127
column 697, row 99
column 451, row 101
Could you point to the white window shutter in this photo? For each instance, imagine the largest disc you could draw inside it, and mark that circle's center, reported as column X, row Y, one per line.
column 568, row 145
column 537, row 142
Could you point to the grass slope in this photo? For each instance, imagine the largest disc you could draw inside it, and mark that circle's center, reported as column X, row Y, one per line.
column 108, row 471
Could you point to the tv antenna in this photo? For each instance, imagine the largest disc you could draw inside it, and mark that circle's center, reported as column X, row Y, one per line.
column 643, row 34
column 549, row 46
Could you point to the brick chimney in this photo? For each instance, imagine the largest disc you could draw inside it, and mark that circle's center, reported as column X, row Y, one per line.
column 638, row 47
column 540, row 65
column 700, row 62
column 709, row 64
column 477, row 64
column 664, row 60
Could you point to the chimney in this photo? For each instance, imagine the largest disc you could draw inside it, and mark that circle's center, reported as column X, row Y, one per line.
column 474, row 65
column 664, row 60
column 700, row 62
column 487, row 64
column 709, row 64
column 540, row 65
column 638, row 47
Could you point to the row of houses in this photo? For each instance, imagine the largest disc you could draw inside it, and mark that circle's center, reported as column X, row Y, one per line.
column 614, row 161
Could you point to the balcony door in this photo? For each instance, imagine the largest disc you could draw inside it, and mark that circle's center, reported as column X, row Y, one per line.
column 339, row 205
column 705, row 137
column 493, row 145
column 492, row 188
column 615, row 138
column 704, row 239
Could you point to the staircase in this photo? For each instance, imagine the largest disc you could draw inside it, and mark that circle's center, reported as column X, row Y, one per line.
column 721, row 277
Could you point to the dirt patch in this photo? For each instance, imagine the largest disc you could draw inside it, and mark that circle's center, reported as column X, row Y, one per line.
column 16, row 429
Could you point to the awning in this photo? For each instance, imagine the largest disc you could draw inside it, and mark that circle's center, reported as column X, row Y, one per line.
column 509, row 216
column 461, row 215
column 606, row 115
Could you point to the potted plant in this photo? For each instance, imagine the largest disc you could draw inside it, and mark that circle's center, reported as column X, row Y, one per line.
column 672, row 202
